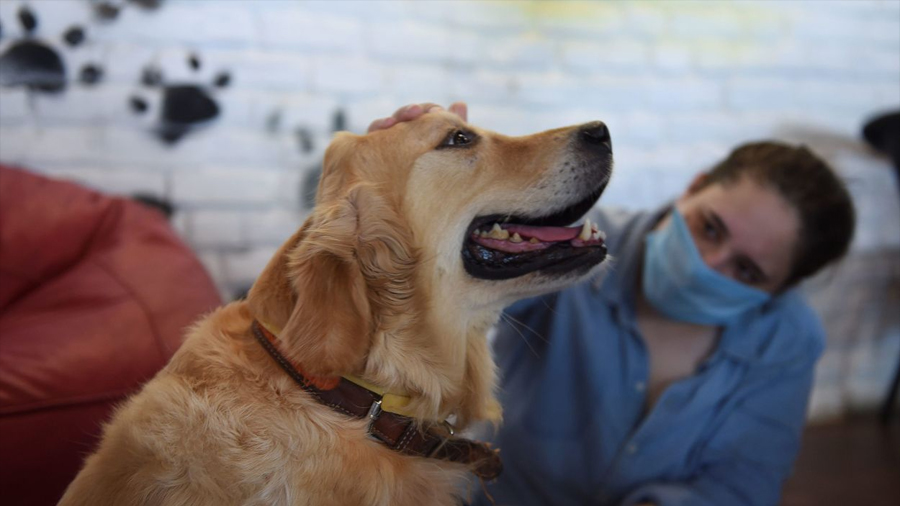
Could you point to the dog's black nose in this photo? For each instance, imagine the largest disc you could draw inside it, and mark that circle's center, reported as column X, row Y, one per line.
column 595, row 134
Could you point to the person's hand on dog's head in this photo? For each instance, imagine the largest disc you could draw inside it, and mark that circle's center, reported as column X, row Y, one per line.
column 413, row 111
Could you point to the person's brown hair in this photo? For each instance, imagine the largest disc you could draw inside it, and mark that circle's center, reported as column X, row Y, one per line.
column 810, row 186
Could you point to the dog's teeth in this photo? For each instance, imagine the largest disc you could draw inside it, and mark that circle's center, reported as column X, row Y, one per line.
column 601, row 235
column 477, row 232
column 516, row 237
column 595, row 236
column 533, row 240
column 585, row 231
column 498, row 233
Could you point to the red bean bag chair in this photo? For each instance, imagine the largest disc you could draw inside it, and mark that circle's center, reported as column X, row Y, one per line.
column 95, row 295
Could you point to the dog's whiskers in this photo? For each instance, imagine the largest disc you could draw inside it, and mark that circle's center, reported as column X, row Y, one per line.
column 536, row 333
column 525, row 339
column 548, row 306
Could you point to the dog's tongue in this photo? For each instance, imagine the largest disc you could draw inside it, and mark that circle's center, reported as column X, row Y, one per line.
column 545, row 234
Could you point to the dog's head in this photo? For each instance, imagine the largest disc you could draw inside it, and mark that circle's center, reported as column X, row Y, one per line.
column 420, row 235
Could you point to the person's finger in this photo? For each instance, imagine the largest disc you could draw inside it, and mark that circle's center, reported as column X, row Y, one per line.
column 460, row 109
column 375, row 125
column 381, row 124
column 409, row 112
column 413, row 111
column 431, row 106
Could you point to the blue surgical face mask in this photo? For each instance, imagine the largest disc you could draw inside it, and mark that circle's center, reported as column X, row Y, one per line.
column 679, row 284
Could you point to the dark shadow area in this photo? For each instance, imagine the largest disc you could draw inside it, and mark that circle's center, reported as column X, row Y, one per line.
column 853, row 462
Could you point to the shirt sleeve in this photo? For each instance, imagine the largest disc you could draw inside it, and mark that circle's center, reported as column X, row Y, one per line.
column 749, row 455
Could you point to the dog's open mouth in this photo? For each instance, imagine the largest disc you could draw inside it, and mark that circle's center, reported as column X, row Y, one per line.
column 503, row 247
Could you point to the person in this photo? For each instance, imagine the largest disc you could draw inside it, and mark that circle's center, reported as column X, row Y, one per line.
column 681, row 375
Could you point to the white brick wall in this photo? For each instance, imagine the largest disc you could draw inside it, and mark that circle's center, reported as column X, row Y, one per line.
column 679, row 83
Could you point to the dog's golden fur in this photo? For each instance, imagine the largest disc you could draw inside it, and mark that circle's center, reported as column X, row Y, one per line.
column 371, row 285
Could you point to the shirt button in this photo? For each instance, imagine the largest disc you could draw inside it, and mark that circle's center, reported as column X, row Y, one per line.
column 640, row 386
column 631, row 449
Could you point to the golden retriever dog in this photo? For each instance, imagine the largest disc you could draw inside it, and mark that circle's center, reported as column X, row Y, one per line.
column 376, row 309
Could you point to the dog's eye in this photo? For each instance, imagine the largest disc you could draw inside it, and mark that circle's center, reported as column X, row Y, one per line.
column 456, row 139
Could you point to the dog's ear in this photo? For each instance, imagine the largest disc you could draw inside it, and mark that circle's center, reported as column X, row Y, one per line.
column 330, row 325
column 335, row 280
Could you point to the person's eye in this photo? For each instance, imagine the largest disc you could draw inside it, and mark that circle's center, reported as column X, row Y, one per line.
column 747, row 274
column 457, row 139
column 710, row 231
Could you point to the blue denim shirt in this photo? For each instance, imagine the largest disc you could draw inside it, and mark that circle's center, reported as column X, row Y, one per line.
column 574, row 373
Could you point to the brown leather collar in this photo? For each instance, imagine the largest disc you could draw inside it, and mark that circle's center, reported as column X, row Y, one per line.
column 397, row 432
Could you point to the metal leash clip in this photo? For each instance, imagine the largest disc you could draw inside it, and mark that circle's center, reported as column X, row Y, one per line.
column 447, row 425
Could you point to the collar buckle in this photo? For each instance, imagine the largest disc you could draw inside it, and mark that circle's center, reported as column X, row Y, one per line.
column 374, row 412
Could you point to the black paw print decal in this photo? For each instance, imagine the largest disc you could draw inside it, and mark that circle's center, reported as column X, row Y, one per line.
column 183, row 107
column 36, row 64
column 108, row 10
